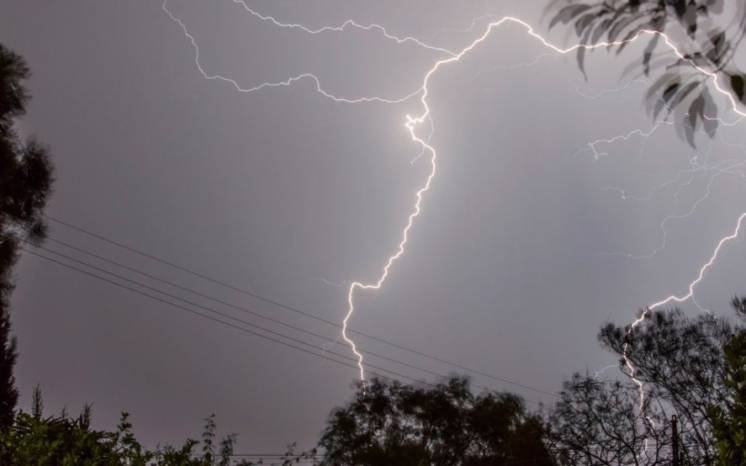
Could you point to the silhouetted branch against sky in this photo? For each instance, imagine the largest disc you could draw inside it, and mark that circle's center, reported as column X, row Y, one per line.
column 709, row 32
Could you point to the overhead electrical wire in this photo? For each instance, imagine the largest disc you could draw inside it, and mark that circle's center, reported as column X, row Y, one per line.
column 376, row 369
column 263, row 299
column 244, row 322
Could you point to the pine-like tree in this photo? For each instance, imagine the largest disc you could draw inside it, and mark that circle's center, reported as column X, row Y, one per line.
column 25, row 184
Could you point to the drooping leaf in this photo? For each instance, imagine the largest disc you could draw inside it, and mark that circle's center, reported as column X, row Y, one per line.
column 622, row 24
column 582, row 23
column 581, row 53
column 667, row 95
column 648, row 54
column 600, row 30
column 568, row 13
column 679, row 6
column 738, row 84
column 719, row 48
column 628, row 39
column 679, row 97
column 689, row 17
column 696, row 111
column 710, row 122
column 668, row 80
column 690, row 123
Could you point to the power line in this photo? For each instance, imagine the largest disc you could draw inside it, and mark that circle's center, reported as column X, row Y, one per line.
column 274, row 456
column 244, row 455
column 228, row 316
column 377, row 370
column 277, row 303
column 225, row 303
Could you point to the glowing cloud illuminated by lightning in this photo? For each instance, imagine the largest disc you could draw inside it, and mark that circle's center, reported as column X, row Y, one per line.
column 413, row 123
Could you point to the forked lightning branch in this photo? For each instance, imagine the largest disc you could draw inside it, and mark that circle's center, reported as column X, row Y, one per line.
column 413, row 123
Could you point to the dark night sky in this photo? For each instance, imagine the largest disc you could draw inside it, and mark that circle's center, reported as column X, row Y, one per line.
column 291, row 195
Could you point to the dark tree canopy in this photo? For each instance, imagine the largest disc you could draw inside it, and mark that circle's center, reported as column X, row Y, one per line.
column 691, row 367
column 445, row 424
column 707, row 32
column 25, row 184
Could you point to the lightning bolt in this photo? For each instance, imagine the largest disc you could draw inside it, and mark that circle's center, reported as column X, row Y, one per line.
column 690, row 289
column 342, row 27
column 412, row 123
column 632, row 370
column 644, row 134
column 291, row 80
column 717, row 171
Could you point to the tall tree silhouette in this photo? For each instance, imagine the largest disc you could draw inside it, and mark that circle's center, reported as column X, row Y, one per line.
column 25, row 184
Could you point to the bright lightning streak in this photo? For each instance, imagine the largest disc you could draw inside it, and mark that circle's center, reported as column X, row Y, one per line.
column 623, row 137
column 717, row 171
column 674, row 299
column 676, row 181
column 341, row 28
column 285, row 83
column 690, row 290
column 412, row 123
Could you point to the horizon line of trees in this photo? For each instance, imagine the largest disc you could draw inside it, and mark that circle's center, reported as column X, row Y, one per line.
column 694, row 370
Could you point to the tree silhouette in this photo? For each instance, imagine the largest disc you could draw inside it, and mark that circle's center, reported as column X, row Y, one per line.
column 680, row 89
column 25, row 184
column 730, row 419
column 681, row 362
column 691, row 367
column 596, row 423
column 445, row 424
column 38, row 440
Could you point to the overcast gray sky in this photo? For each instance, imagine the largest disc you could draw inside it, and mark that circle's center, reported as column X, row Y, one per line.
column 517, row 257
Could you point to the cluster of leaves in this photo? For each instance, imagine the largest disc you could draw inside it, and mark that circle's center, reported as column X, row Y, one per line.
column 682, row 87
column 445, row 424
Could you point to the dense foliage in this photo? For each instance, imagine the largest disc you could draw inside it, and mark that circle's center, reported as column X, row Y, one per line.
column 444, row 424
column 36, row 440
column 25, row 184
